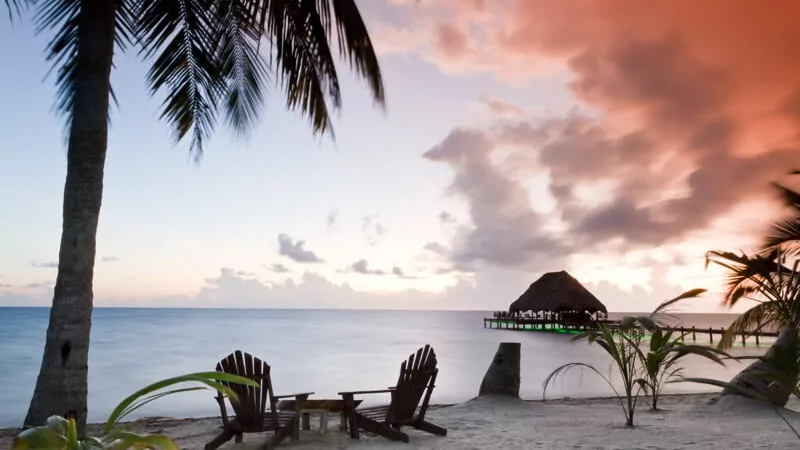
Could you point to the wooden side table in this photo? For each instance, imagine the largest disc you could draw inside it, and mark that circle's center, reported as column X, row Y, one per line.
column 322, row 407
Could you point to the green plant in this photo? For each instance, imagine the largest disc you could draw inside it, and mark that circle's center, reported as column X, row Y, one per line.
column 640, row 371
column 661, row 363
column 665, row 350
column 62, row 433
column 622, row 345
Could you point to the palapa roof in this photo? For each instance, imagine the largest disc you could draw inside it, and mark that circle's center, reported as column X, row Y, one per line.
column 557, row 291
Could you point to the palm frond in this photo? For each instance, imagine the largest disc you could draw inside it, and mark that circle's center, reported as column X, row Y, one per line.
column 62, row 50
column 355, row 44
column 240, row 64
column 301, row 31
column 179, row 35
column 784, row 235
column 206, row 58
column 15, row 7
column 747, row 275
column 665, row 306
column 141, row 397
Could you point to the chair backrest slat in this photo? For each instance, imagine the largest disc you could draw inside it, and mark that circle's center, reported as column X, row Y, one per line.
column 416, row 377
column 252, row 402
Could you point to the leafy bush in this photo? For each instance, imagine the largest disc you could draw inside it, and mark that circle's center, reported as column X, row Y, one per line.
column 640, row 371
column 62, row 433
column 661, row 362
column 623, row 347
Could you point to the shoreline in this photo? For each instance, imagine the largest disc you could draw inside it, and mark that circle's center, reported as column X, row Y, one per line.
column 568, row 400
column 684, row 421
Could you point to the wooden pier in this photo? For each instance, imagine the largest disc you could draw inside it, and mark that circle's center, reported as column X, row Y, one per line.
column 563, row 326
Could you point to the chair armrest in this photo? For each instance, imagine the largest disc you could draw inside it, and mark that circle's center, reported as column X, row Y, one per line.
column 380, row 391
column 302, row 394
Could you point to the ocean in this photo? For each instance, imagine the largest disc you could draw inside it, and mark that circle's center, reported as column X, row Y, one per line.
column 324, row 351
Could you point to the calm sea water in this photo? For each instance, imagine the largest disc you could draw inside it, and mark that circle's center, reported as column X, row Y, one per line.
column 324, row 351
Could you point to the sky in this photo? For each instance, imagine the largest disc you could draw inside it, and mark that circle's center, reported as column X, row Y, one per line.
column 618, row 140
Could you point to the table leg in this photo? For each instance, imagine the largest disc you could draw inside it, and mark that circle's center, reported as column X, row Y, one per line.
column 323, row 423
column 350, row 409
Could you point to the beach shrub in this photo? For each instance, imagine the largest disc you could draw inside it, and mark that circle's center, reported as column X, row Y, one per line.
column 666, row 348
column 661, row 362
column 61, row 433
column 641, row 371
column 623, row 348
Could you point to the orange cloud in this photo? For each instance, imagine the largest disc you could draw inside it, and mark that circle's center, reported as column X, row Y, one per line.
column 696, row 109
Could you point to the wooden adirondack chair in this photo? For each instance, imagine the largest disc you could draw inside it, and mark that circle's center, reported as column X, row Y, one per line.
column 415, row 384
column 255, row 407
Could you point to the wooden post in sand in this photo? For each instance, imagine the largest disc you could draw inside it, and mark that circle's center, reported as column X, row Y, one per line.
column 503, row 375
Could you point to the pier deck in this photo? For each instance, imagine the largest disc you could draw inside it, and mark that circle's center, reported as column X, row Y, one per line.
column 545, row 325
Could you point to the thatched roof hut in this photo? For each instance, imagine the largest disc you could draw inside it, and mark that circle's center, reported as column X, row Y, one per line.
column 557, row 292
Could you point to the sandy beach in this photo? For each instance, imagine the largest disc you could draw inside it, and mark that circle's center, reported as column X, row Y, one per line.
column 700, row 421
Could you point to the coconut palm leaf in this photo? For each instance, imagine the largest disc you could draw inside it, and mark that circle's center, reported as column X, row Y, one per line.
column 14, row 7
column 143, row 396
column 785, row 234
column 240, row 64
column 179, row 36
column 205, row 56
column 623, row 348
column 747, row 275
column 656, row 318
column 61, row 434
column 64, row 17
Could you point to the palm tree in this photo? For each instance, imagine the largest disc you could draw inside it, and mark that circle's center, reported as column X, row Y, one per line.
column 775, row 288
column 206, row 58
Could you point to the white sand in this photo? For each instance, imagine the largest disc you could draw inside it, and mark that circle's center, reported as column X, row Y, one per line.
column 687, row 422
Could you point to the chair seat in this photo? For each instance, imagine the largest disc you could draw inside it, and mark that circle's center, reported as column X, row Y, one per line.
column 284, row 419
column 376, row 413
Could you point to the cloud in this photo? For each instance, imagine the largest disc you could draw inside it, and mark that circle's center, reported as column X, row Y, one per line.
column 361, row 266
column 485, row 291
column 331, row 221
column 296, row 251
column 451, row 42
column 500, row 107
column 46, row 264
column 505, row 229
column 676, row 124
column 372, row 228
column 110, row 259
column 277, row 268
column 39, row 285
column 5, row 286
column 400, row 273
column 446, row 217
column 245, row 274
column 437, row 248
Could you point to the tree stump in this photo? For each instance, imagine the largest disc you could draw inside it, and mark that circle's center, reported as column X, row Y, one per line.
column 503, row 375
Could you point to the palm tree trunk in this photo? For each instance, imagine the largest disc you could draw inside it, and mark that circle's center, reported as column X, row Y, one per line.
column 759, row 376
column 62, row 384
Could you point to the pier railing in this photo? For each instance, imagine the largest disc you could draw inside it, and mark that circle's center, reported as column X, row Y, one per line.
column 544, row 325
